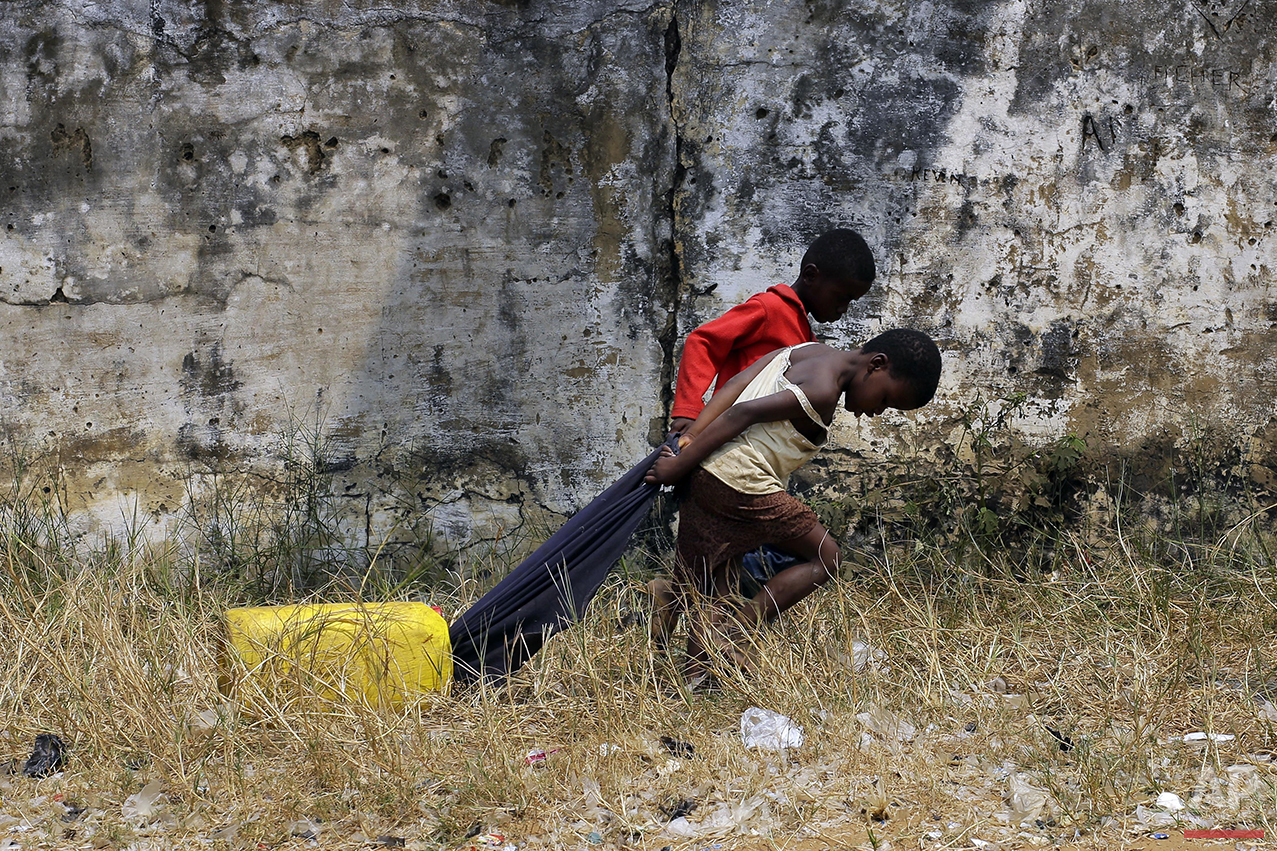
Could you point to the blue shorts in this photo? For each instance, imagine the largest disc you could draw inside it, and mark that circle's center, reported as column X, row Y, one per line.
column 761, row 565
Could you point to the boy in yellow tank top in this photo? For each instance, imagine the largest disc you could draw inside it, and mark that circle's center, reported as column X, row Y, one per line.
column 760, row 427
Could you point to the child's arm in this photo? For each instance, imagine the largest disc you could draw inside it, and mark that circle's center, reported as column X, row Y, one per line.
column 705, row 350
column 722, row 420
column 725, row 398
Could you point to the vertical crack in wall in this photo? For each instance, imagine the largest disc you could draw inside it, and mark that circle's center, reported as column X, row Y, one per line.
column 672, row 288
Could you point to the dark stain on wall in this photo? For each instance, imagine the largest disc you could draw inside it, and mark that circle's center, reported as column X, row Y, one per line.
column 208, row 373
column 76, row 142
column 1057, row 351
column 202, row 442
column 308, row 147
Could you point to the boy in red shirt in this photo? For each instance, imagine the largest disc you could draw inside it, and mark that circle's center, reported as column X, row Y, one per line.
column 836, row 269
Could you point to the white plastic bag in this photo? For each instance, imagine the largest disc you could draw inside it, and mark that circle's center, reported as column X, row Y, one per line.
column 1153, row 818
column 863, row 654
column 1202, row 738
column 769, row 731
column 1026, row 802
column 887, row 724
column 143, row 805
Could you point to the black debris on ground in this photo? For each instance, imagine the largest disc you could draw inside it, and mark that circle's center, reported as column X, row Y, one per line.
column 47, row 757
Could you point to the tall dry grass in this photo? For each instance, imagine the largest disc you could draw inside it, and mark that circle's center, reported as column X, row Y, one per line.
column 1133, row 640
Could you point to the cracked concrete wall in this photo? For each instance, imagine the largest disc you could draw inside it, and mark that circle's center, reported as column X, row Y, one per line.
column 1076, row 197
column 466, row 237
column 440, row 232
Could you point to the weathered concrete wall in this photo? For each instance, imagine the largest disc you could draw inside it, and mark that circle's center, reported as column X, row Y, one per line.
column 466, row 236
column 442, row 230
column 1077, row 196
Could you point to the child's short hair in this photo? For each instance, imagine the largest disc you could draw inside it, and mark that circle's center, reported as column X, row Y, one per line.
column 842, row 254
column 914, row 359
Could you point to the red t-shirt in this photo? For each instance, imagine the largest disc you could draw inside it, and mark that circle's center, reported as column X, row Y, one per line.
column 729, row 344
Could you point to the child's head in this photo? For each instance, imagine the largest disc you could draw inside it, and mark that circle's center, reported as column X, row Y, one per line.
column 836, row 270
column 902, row 372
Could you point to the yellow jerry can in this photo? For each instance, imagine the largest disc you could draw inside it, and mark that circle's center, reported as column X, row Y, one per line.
column 379, row 653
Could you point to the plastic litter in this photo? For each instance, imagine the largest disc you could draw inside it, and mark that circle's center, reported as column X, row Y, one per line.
column 1243, row 782
column 1170, row 802
column 863, row 654
column 226, row 833
column 1065, row 743
column 767, row 730
column 143, row 804
column 1015, row 701
column 1026, row 801
column 1161, row 836
column 1153, row 818
column 305, row 828
column 47, row 757
column 537, row 756
column 677, row 808
column 1197, row 738
column 887, row 724
column 592, row 807
column 203, row 722
column 670, row 766
column 735, row 818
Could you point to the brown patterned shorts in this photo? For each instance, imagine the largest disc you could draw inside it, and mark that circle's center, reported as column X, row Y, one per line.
column 718, row 524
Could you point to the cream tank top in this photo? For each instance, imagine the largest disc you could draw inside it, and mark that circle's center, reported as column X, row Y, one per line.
column 761, row 458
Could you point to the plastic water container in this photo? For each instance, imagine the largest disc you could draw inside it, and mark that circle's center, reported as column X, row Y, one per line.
column 378, row 653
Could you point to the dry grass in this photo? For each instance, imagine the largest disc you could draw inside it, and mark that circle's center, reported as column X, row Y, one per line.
column 1124, row 647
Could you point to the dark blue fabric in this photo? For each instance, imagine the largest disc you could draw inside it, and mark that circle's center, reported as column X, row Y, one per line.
column 552, row 587
column 761, row 565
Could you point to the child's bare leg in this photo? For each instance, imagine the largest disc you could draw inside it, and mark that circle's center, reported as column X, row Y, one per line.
column 666, row 608
column 821, row 561
column 711, row 615
column 695, row 589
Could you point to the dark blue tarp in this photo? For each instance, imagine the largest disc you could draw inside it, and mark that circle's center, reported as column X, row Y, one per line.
column 552, row 587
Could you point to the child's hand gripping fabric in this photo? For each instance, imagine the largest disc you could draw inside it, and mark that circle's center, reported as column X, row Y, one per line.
column 720, row 421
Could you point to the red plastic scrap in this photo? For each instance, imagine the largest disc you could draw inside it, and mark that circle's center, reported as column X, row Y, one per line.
column 538, row 755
